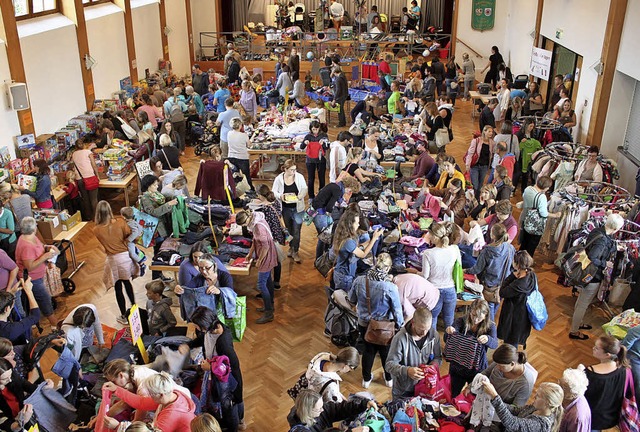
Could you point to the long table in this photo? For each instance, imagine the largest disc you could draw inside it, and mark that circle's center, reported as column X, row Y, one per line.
column 124, row 184
column 476, row 96
column 234, row 271
column 255, row 154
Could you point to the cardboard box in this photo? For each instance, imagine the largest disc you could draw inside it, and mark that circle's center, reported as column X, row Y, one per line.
column 49, row 227
column 71, row 221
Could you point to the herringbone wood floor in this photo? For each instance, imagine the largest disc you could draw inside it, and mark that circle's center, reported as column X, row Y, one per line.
column 274, row 355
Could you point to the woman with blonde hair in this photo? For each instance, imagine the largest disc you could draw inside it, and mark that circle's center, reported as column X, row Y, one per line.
column 503, row 183
column 239, row 144
column 325, row 370
column 544, row 415
column 478, row 324
column 486, row 203
column 354, row 156
column 311, row 414
column 449, row 172
column 376, row 296
column 437, row 268
column 494, row 262
column 205, row 423
column 577, row 414
column 113, row 233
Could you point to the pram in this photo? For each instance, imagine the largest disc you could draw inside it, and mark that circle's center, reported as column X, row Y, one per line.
column 195, row 131
column 206, row 141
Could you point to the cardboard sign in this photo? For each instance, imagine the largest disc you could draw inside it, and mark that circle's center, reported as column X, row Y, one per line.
column 135, row 323
column 540, row 63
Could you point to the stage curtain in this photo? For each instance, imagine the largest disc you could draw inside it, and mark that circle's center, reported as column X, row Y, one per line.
column 240, row 14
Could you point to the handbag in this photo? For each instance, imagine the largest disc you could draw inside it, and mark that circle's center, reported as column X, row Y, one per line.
column 475, row 156
column 127, row 129
column 442, row 137
column 533, row 222
column 326, row 235
column 91, row 183
column 325, row 263
column 629, row 415
column 458, row 276
column 53, row 279
column 536, row 308
column 576, row 266
column 379, row 332
column 492, row 294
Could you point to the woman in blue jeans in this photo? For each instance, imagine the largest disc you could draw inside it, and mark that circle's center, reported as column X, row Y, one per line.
column 600, row 248
column 347, row 250
column 290, row 188
column 479, row 156
column 266, row 258
column 31, row 257
column 437, row 268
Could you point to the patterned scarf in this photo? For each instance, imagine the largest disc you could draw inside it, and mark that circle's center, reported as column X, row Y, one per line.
column 376, row 274
column 157, row 198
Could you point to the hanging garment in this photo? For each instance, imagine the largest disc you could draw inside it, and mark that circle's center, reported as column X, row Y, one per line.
column 54, row 412
column 179, row 217
column 211, row 181
column 482, row 410
column 563, row 175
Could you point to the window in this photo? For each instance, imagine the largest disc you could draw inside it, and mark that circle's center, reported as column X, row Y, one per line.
column 25, row 9
column 94, row 2
column 632, row 135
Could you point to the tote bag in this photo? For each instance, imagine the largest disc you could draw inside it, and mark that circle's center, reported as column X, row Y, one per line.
column 458, row 276
column 534, row 223
column 629, row 416
column 237, row 324
column 536, row 308
column 442, row 137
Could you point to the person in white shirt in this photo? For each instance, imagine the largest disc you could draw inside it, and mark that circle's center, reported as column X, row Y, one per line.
column 338, row 154
column 80, row 326
column 336, row 10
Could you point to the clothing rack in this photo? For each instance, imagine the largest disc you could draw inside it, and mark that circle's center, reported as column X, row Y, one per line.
column 566, row 151
column 599, row 194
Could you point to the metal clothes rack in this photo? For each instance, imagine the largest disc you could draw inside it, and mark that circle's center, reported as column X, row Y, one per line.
column 599, row 194
column 566, row 151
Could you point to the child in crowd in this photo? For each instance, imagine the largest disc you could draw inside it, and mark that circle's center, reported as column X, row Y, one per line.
column 321, row 115
column 136, row 232
column 193, row 114
column 161, row 319
column 73, row 193
column 247, row 124
column 210, row 132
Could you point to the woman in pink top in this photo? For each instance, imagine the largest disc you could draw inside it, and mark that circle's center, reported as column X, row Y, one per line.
column 152, row 111
column 31, row 255
column 85, row 164
column 415, row 291
column 174, row 409
column 267, row 258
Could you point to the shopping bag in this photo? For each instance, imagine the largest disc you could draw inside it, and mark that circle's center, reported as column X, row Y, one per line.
column 53, row 279
column 620, row 290
column 458, row 276
column 629, row 417
column 238, row 324
column 537, row 309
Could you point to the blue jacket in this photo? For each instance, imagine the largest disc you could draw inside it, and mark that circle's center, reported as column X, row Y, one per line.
column 43, row 189
column 491, row 264
column 385, row 301
column 632, row 342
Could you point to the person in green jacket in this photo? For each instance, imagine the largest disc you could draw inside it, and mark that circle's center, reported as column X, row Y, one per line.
column 153, row 203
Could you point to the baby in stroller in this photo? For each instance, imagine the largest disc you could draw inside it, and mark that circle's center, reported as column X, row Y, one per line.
column 210, row 136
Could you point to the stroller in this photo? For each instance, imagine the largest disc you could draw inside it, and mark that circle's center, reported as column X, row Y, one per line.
column 207, row 140
column 341, row 322
column 195, row 131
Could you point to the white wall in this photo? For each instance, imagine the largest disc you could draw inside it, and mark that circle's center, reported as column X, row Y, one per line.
column 146, row 33
column 481, row 41
column 9, row 126
column 52, row 66
column 628, row 58
column 518, row 40
column 583, row 33
column 204, row 20
column 105, row 31
column 178, row 38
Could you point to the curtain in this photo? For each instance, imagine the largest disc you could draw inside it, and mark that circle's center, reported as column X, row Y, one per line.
column 433, row 10
column 241, row 13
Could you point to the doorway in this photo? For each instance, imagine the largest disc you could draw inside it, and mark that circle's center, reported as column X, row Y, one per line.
column 563, row 62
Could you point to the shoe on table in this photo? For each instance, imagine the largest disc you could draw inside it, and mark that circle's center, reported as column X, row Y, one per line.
column 366, row 384
column 122, row 320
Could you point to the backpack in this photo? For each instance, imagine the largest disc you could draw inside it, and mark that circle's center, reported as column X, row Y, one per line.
column 302, row 384
column 342, row 324
column 175, row 112
column 572, row 268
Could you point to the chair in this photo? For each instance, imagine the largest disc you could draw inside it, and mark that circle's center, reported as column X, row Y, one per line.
column 299, row 14
column 395, row 23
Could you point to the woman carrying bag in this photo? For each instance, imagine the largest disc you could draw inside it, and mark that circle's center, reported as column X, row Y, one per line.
column 378, row 307
column 291, row 189
column 478, row 158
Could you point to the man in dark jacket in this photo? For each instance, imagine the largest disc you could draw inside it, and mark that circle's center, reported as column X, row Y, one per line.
column 340, row 93
column 233, row 71
column 200, row 80
column 438, row 73
column 294, row 61
column 486, row 116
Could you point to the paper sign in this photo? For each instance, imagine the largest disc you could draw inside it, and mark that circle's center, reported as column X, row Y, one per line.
column 34, row 428
column 540, row 63
column 135, row 323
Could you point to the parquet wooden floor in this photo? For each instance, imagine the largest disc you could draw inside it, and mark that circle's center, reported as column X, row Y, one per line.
column 274, row 355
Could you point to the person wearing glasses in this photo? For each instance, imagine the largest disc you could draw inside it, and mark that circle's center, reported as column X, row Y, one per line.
column 290, row 188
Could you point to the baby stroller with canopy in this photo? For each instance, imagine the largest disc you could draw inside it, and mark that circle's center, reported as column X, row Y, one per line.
column 207, row 139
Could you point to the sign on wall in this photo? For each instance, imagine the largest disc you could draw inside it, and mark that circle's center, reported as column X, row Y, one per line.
column 540, row 65
column 483, row 14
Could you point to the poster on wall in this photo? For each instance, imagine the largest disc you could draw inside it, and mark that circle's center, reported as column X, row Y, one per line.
column 540, row 65
column 483, row 14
